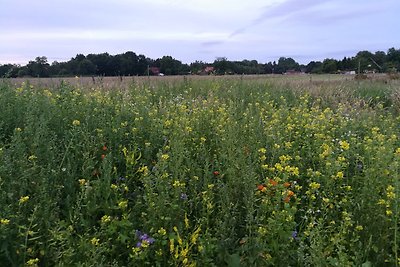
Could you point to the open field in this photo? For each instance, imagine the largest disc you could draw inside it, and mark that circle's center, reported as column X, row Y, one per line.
column 125, row 81
column 200, row 171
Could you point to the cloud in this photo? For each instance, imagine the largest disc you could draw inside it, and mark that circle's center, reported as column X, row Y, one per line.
column 197, row 29
column 297, row 13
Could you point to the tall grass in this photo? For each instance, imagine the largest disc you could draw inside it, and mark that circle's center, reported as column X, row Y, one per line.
column 217, row 172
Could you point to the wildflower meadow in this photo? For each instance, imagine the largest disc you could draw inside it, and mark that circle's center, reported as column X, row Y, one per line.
column 200, row 172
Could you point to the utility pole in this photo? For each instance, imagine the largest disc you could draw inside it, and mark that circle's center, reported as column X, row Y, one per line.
column 380, row 68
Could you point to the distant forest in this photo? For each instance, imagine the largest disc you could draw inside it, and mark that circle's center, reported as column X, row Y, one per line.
column 131, row 64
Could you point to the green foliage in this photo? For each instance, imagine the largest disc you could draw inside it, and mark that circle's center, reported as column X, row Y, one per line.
column 200, row 173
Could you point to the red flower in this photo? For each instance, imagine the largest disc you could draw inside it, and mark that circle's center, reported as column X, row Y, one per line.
column 104, row 148
column 216, row 173
column 260, row 187
column 103, row 156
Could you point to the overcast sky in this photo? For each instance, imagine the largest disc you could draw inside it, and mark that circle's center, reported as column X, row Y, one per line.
column 190, row 30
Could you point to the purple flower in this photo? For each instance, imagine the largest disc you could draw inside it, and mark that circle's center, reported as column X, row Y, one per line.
column 184, row 196
column 144, row 237
column 294, row 235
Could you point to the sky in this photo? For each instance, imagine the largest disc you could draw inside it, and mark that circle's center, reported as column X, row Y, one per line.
column 191, row 30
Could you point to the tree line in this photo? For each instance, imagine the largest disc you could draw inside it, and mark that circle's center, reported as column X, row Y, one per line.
column 131, row 64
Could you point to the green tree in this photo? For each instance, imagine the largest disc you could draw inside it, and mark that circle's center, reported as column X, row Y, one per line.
column 314, row 67
column 285, row 64
column 393, row 59
column 329, row 65
column 169, row 66
column 86, row 67
column 39, row 67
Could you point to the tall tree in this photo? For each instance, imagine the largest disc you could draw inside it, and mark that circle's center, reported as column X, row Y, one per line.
column 39, row 67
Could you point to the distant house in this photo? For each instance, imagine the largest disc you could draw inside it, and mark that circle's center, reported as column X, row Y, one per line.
column 154, row 71
column 207, row 70
column 352, row 72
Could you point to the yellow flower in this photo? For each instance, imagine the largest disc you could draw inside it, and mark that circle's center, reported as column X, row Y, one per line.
column 359, row 228
column 32, row 262
column 164, row 156
column 82, row 181
column 315, row 185
column 262, row 150
column 381, row 202
column 195, row 236
column 264, row 166
column 144, row 170
column 123, row 204
column 326, row 200
column 76, row 123
column 162, row 231
column 32, row 158
column 167, row 123
column 344, row 145
column 106, row 219
column 23, row 199
column 145, row 244
column 95, row 241
column 390, row 188
column 288, row 144
column 4, row 221
column 391, row 195
column 340, row 175
column 389, row 212
column 262, row 230
column 178, row 184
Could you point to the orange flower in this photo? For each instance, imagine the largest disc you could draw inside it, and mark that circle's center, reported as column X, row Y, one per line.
column 273, row 182
column 260, row 187
column 288, row 196
column 103, row 156
column 104, row 148
column 286, row 184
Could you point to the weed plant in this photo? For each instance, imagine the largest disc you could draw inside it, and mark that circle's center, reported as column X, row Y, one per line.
column 200, row 173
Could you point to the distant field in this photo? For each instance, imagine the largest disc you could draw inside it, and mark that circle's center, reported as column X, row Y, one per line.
column 124, row 81
column 263, row 170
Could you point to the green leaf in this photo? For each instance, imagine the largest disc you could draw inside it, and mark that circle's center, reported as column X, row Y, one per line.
column 233, row 260
column 366, row 264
